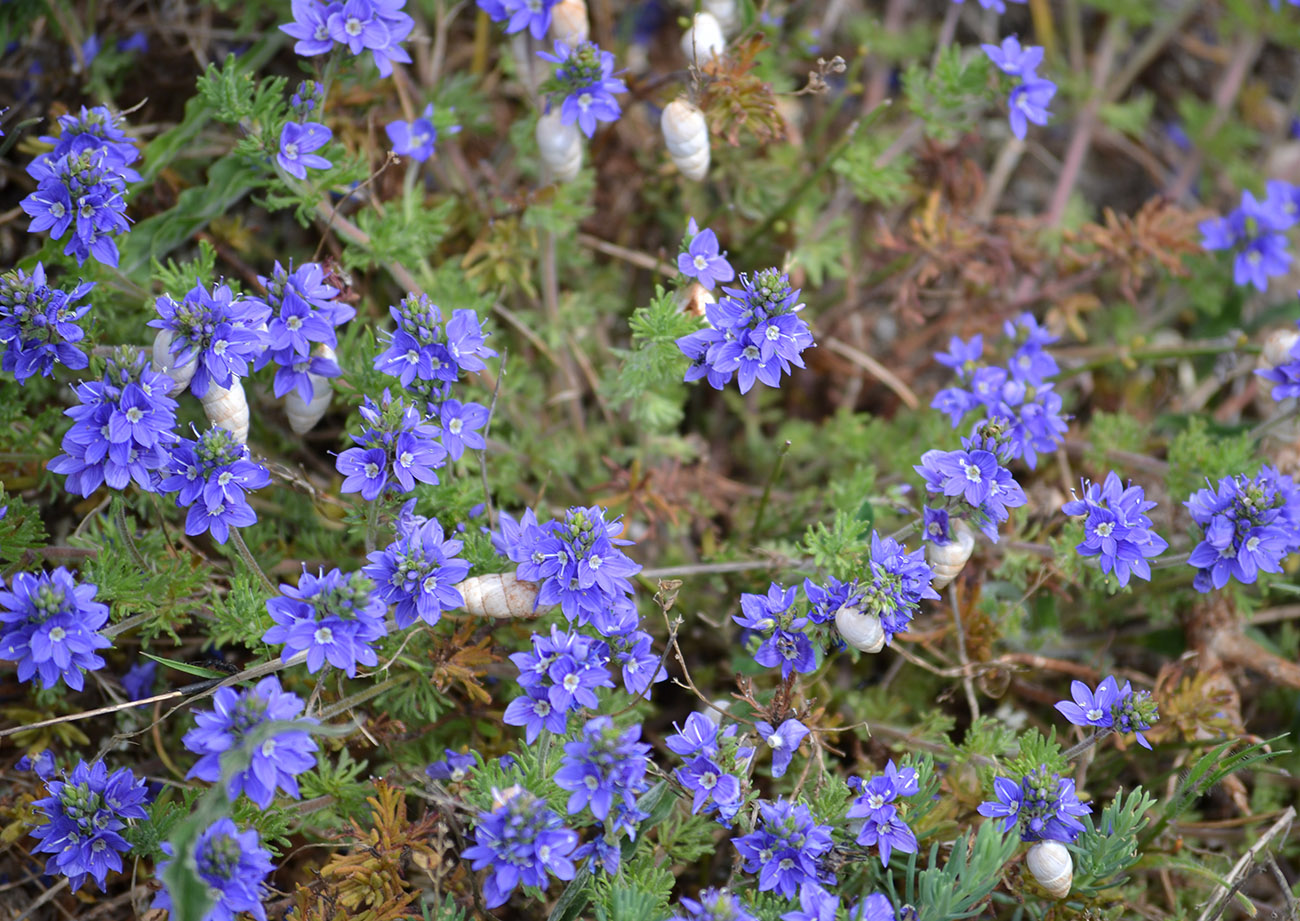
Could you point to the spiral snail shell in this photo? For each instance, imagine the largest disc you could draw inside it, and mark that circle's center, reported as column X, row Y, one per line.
column 693, row 299
column 1277, row 347
column 687, row 135
column 560, row 146
column 304, row 414
column 569, row 22
column 703, row 41
column 499, row 595
column 726, row 12
column 948, row 559
column 162, row 362
column 1051, row 864
column 861, row 631
column 227, row 407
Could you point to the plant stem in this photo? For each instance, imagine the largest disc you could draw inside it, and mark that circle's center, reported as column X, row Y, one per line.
column 767, row 491
column 362, row 696
column 1122, row 355
column 246, row 555
column 487, row 429
column 1077, row 750
column 119, row 517
column 372, row 525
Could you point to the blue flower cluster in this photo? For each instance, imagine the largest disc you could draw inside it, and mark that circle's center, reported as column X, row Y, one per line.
column 754, row 332
column 975, row 484
column 899, row 581
column 84, row 817
column 786, row 849
column 274, row 762
column 303, row 312
column 783, row 642
column 631, row 647
column 377, row 26
column 1254, row 232
column 560, row 675
column 520, row 841
column 1018, row 393
column 1250, row 525
column 39, row 324
column 332, row 617
column 1118, row 529
column 533, row 15
column 585, row 78
column 702, row 259
column 713, row 905
column 219, row 333
column 576, row 562
column 1111, row 707
column 1044, row 806
column 604, row 770
column 876, row 803
column 395, row 450
column 121, row 429
column 427, row 356
column 81, row 185
column 49, row 625
column 1033, row 94
column 211, row 476
column 702, row 747
column 418, row 573
column 233, row 864
column 816, row 904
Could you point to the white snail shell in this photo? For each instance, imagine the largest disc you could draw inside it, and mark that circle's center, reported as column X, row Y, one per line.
column 162, row 362
column 560, row 146
column 499, row 595
column 228, row 408
column 303, row 415
column 693, row 299
column 725, row 12
column 947, row 560
column 1051, row 864
column 703, row 41
column 861, row 631
column 569, row 22
column 1277, row 347
column 687, row 135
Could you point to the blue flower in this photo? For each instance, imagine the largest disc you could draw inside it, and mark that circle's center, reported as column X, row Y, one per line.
column 1028, row 103
column 307, row 98
column 51, row 628
column 713, row 905
column 706, row 780
column 83, row 192
column 377, row 26
column 139, row 680
column 84, row 815
column 454, row 767
column 458, row 426
column 393, row 452
column 560, row 674
column 95, row 130
column 303, row 312
column 217, row 330
column 700, row 736
column 519, row 841
column 585, row 75
column 783, row 740
column 332, row 616
column 884, row 827
column 1091, row 708
column 533, row 15
column 40, row 323
column 296, row 145
column 754, row 333
column 1011, row 59
column 1135, row 712
column 1253, row 231
column 975, row 478
column 414, row 139
column 1118, row 529
column 1043, row 806
column 786, row 849
column 1250, row 526
column 234, row 866
column 274, row 762
column 702, row 259
column 604, row 768
column 311, row 27
column 825, row 601
column 211, row 476
column 418, row 573
column 421, row 350
column 98, row 452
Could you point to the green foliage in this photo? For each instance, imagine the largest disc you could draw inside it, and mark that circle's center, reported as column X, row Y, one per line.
column 948, row 98
column 177, row 278
column 873, row 178
column 841, row 549
column 231, row 94
column 971, row 873
column 1112, row 432
column 1132, row 116
column 1196, row 455
column 1038, row 749
column 406, row 232
column 20, row 529
column 649, row 377
column 240, row 615
column 1108, row 848
column 338, row 776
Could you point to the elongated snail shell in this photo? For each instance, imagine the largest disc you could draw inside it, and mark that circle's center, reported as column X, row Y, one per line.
column 162, row 362
column 726, row 12
column 693, row 299
column 499, row 595
column 687, row 135
column 228, row 408
column 703, row 41
column 947, row 560
column 1051, row 864
column 560, row 146
column 861, row 631
column 303, row 415
column 569, row 22
column 1277, row 347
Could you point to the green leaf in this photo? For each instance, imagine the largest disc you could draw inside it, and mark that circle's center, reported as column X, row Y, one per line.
column 196, row 670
